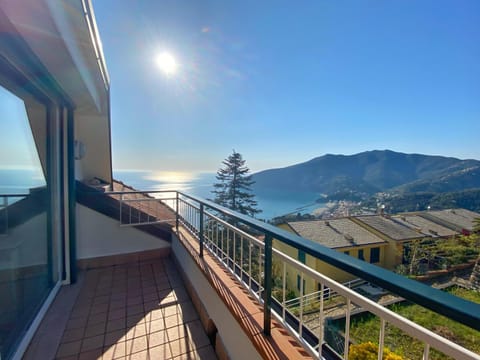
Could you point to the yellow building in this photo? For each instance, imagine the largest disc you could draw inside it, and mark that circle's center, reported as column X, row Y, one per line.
column 402, row 229
column 395, row 232
column 343, row 235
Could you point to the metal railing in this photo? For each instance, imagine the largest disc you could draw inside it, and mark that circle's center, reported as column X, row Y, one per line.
column 5, row 201
column 327, row 294
column 244, row 246
column 141, row 209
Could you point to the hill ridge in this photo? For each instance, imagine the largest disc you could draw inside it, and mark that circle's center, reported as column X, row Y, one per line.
column 373, row 171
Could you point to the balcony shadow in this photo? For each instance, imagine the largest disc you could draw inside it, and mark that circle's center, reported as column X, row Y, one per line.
column 139, row 310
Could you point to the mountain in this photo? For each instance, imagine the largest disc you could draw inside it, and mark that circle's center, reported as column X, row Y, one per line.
column 452, row 180
column 372, row 171
column 421, row 201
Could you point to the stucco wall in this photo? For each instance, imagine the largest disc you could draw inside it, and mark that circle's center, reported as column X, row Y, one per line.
column 92, row 131
column 98, row 235
column 393, row 254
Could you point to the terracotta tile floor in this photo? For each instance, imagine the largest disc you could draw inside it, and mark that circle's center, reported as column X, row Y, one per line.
column 134, row 311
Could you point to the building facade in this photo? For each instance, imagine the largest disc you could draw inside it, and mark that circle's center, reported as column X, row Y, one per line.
column 342, row 235
column 54, row 94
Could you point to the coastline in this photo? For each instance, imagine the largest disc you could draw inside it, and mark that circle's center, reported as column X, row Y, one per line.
column 335, row 209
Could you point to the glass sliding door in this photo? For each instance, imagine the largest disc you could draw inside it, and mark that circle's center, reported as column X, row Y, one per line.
column 27, row 271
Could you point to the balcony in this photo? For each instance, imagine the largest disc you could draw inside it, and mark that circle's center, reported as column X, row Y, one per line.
column 136, row 311
column 222, row 292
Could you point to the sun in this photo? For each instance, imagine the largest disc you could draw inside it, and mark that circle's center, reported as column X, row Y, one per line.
column 167, row 63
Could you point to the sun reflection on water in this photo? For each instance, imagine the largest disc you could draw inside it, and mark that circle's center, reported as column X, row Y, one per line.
column 171, row 180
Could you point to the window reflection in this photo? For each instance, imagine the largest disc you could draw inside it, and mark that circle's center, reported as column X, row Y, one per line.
column 25, row 276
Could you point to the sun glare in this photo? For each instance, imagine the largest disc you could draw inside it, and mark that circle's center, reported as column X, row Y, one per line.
column 167, row 63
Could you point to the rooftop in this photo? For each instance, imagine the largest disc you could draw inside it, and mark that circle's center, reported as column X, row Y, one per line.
column 425, row 226
column 336, row 233
column 457, row 219
column 389, row 227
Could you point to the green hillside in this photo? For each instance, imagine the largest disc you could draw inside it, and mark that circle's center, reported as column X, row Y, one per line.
column 375, row 171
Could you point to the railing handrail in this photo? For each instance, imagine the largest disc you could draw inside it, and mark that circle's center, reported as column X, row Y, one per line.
column 134, row 192
column 458, row 309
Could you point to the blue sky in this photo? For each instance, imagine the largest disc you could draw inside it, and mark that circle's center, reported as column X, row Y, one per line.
column 282, row 83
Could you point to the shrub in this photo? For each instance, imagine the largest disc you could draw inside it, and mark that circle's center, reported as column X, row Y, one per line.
column 369, row 351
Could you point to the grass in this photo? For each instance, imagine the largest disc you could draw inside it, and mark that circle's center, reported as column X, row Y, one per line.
column 315, row 305
column 366, row 328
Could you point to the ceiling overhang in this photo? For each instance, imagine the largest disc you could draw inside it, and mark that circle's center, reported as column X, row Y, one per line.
column 63, row 36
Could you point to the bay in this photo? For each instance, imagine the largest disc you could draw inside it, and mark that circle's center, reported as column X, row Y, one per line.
column 272, row 203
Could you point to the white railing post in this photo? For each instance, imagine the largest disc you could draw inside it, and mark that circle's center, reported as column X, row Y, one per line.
column 300, row 324
column 250, row 265
column 381, row 340
column 347, row 330
column 284, row 286
column 426, row 351
column 321, row 327
column 177, row 211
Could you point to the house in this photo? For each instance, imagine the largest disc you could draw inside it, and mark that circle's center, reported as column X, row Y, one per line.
column 394, row 232
column 343, row 235
column 458, row 220
column 91, row 268
column 423, row 225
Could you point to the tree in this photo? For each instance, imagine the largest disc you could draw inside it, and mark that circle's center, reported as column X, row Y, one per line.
column 233, row 187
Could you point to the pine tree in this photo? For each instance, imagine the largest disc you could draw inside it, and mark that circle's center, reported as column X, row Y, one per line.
column 233, row 189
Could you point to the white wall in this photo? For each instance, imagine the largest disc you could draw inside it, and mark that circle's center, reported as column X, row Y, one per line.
column 98, row 235
column 237, row 344
column 93, row 132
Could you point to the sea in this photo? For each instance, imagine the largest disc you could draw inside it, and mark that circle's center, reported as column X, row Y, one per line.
column 20, row 181
column 272, row 203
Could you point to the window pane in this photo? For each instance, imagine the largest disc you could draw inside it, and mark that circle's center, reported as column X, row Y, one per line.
column 25, row 269
column 301, row 256
column 360, row 254
column 374, row 255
